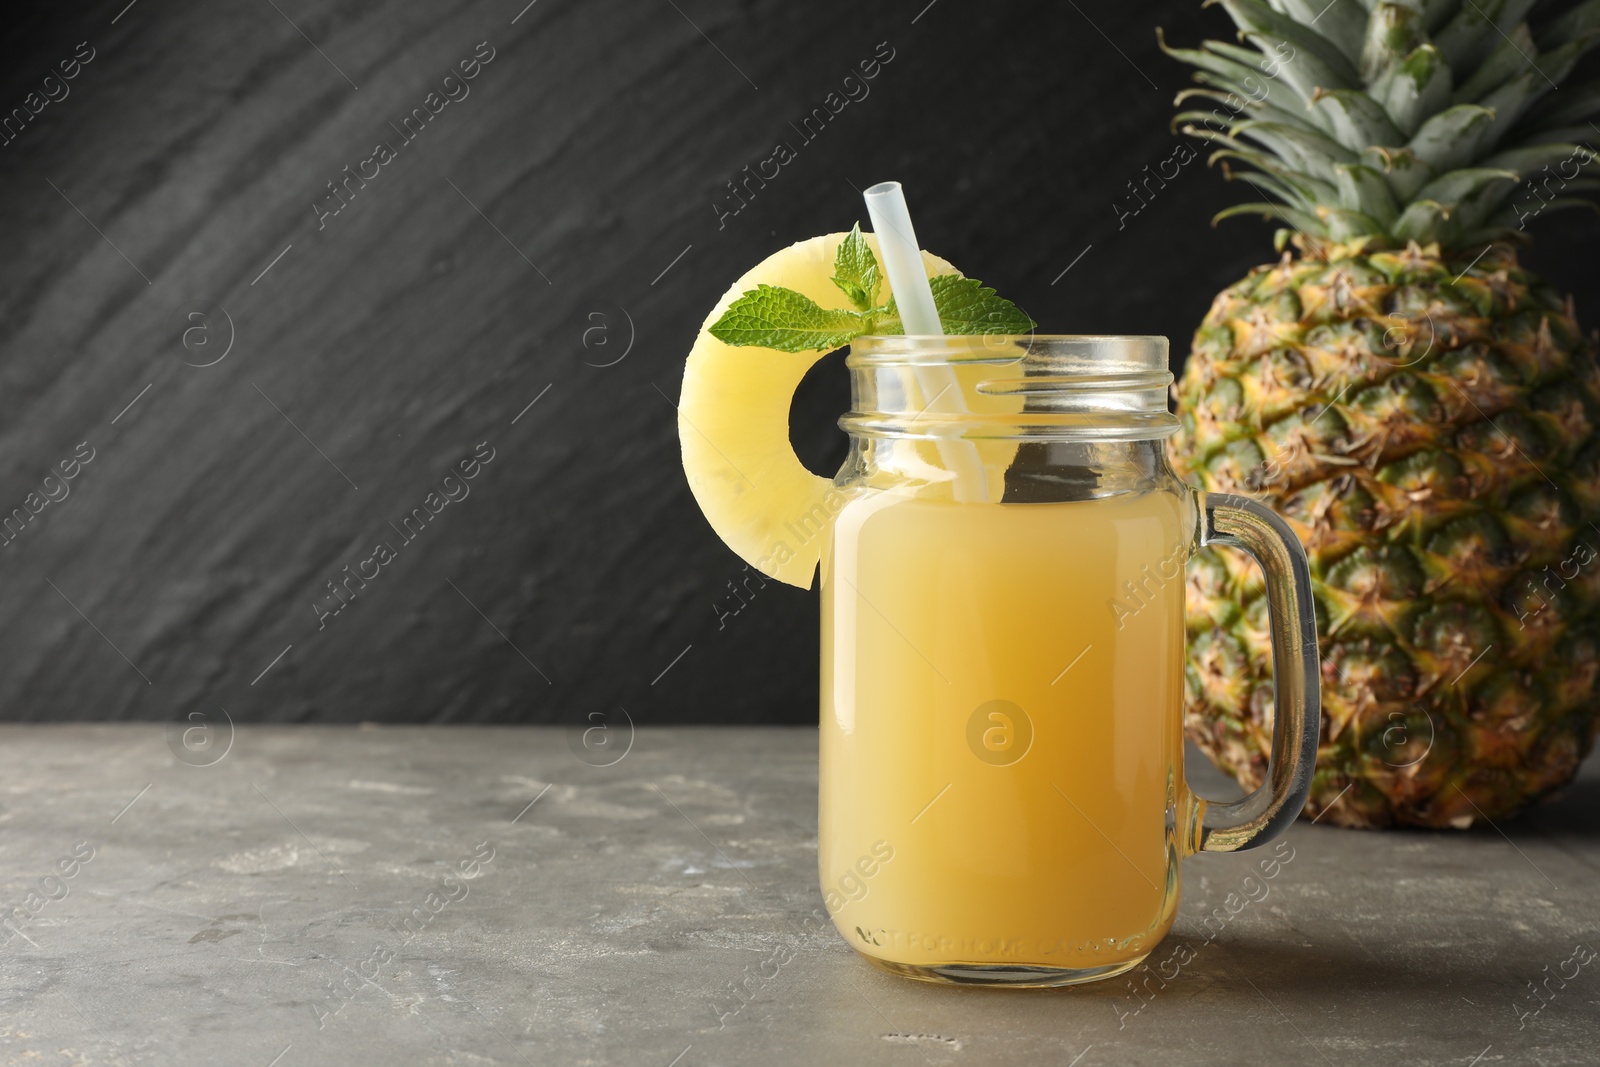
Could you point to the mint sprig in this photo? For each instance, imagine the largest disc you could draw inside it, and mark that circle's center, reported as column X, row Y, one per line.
column 771, row 316
column 965, row 306
column 855, row 270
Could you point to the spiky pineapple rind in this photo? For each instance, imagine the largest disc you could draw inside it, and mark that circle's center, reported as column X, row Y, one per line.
column 1448, row 494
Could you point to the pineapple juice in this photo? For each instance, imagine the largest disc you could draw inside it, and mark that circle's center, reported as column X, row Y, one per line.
column 1001, row 731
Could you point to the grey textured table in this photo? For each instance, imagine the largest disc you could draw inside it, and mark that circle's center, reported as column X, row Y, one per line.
column 274, row 908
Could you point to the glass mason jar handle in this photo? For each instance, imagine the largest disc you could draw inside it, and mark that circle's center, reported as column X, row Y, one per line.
column 1297, row 718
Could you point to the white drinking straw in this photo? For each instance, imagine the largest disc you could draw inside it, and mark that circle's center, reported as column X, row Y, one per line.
column 913, row 297
column 902, row 259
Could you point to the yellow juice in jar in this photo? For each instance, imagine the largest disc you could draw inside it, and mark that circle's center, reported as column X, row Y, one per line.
column 1001, row 732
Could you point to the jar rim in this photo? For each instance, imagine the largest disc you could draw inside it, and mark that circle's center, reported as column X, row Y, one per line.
column 1035, row 336
column 1020, row 386
column 1087, row 352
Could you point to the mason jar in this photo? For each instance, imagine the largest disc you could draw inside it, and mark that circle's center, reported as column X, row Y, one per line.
column 1002, row 798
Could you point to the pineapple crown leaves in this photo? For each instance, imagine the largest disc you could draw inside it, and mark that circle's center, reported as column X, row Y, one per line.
column 770, row 316
column 1393, row 121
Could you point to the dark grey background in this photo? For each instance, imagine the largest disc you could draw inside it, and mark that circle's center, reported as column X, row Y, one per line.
column 419, row 322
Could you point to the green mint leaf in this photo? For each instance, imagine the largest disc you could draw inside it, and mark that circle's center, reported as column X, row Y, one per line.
column 772, row 317
column 965, row 306
column 855, row 270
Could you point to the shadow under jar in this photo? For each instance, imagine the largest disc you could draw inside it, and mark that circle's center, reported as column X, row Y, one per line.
column 1002, row 797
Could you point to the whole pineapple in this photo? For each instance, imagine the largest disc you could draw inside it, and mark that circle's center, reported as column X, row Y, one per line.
column 1421, row 408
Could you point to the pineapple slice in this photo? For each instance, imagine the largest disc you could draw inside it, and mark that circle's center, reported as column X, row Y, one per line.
column 733, row 424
